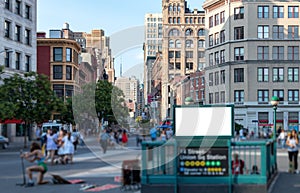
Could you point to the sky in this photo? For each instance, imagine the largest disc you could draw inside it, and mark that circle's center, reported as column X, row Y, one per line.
column 115, row 17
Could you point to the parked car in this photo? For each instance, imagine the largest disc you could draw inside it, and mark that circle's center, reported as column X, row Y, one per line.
column 4, row 142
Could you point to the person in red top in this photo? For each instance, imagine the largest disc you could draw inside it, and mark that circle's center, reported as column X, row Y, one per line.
column 237, row 165
column 124, row 138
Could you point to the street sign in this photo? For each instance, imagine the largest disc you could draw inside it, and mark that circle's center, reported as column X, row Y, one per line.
column 203, row 162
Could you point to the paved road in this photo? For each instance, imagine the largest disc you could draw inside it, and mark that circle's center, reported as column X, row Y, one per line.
column 101, row 169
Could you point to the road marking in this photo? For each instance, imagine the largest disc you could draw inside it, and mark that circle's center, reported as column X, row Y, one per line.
column 104, row 187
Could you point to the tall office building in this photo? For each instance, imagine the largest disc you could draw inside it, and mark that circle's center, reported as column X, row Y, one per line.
column 252, row 54
column 183, row 45
column 152, row 45
column 17, row 48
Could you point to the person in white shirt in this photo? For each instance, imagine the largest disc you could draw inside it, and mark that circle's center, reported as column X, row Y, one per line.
column 292, row 143
column 281, row 138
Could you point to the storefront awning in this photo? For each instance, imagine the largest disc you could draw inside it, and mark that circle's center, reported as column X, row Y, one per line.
column 11, row 121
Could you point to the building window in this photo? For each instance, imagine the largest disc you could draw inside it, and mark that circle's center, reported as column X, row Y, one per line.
column 69, row 90
column 217, row 59
column 7, row 4
column 27, row 36
column 177, row 54
column 174, row 32
column 7, row 59
column 211, row 60
column 57, row 72
column 293, row 95
column 189, row 32
column 7, row 26
column 262, row 95
column 278, row 74
column 239, row 75
column 201, row 54
column 239, row 53
column 171, row 54
column 278, row 52
column 171, row 44
column 278, row 11
column 239, row 13
column 18, row 7
column 263, row 31
column 189, row 66
column 68, row 72
column 216, row 97
column 178, row 20
column 217, row 78
column 222, row 72
column 263, row 53
column 27, row 11
column 217, row 19
column 222, row 15
column 222, row 56
column 58, row 89
column 170, row 20
column 279, row 94
column 189, row 44
column 222, row 36
column 293, row 12
column 278, row 32
column 239, row 96
column 187, row 20
column 210, row 98
column 217, row 38
column 211, row 40
column 263, row 11
column 18, row 60
column 57, row 54
column 293, row 31
column 177, row 44
column 293, row 52
column 263, row 74
column 211, row 79
column 201, row 32
column 27, row 63
column 201, row 43
column 222, row 97
column 69, row 54
column 18, row 33
column 238, row 33
column 189, row 54
column 211, row 21
column 293, row 74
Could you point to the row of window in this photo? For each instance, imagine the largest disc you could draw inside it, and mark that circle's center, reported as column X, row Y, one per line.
column 58, row 72
column 262, row 54
column 177, row 66
column 188, row 32
column 219, row 78
column 174, row 8
column 188, row 20
column 19, row 8
column 20, row 34
column 217, row 19
column 263, row 96
column 154, row 19
column 58, row 54
column 18, row 61
column 217, row 38
column 63, row 90
column 188, row 54
column 188, row 43
column 263, row 11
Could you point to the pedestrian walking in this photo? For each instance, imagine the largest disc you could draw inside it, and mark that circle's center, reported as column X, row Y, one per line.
column 103, row 139
column 51, row 145
column 281, row 138
column 75, row 138
column 35, row 154
column 124, row 138
column 153, row 133
column 237, row 165
column 163, row 136
column 292, row 143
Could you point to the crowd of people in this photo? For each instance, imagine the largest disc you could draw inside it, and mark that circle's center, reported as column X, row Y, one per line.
column 59, row 146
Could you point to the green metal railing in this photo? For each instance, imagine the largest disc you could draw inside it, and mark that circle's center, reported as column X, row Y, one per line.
column 159, row 163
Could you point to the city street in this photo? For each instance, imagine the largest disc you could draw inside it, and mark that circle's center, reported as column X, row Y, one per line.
column 103, row 170
column 90, row 164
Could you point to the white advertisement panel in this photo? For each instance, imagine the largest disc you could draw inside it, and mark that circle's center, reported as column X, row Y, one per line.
column 203, row 121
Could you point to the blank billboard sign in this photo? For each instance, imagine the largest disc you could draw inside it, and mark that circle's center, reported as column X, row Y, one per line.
column 203, row 121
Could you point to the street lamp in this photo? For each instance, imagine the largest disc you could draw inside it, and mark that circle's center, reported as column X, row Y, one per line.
column 188, row 101
column 274, row 103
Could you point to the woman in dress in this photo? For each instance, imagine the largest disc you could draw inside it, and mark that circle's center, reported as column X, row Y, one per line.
column 51, row 145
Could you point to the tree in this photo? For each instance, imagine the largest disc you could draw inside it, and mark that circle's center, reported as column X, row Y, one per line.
column 29, row 98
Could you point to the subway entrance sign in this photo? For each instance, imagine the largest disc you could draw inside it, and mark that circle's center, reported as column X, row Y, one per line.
column 203, row 162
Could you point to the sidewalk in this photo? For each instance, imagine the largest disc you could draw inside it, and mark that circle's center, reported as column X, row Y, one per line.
column 286, row 182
